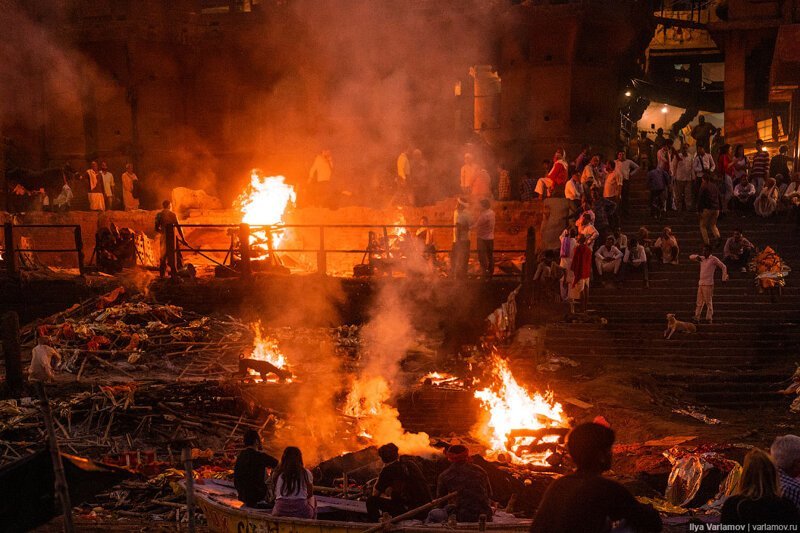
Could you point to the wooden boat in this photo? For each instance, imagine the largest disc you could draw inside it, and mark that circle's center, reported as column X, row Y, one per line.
column 226, row 514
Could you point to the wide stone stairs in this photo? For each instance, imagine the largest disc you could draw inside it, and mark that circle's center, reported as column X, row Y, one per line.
column 738, row 361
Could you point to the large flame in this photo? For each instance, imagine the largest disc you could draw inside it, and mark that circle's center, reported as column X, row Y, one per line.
column 378, row 421
column 509, row 406
column 263, row 203
column 266, row 349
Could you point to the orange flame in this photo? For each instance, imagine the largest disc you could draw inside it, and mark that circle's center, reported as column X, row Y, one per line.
column 509, row 406
column 266, row 349
column 263, row 203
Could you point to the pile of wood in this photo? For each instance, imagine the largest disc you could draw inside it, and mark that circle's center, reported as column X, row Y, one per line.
column 135, row 338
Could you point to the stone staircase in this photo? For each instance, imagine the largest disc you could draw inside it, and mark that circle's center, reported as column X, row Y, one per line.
column 739, row 361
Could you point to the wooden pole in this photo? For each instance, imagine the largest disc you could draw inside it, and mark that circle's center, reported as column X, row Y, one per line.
column 10, row 255
column 9, row 334
column 322, row 256
column 244, row 249
column 412, row 512
column 61, row 488
column 79, row 249
column 169, row 239
column 186, row 456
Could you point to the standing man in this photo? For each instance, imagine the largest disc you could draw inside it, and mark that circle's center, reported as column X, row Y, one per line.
column 164, row 218
column 404, row 175
column 468, row 171
column 583, row 158
column 703, row 165
column 459, row 257
column 779, row 166
column 702, row 133
column 683, row 171
column 705, row 286
column 42, row 356
column 657, row 183
column 709, row 203
column 250, row 470
column 760, row 166
column 129, row 182
column 484, row 229
column 592, row 176
column 96, row 189
column 581, row 267
column 503, row 183
column 625, row 167
column 108, row 185
column 319, row 178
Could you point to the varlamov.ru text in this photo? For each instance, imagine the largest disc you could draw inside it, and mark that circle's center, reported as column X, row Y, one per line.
column 736, row 527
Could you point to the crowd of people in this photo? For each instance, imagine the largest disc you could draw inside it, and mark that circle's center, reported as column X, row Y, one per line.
column 94, row 189
column 768, row 491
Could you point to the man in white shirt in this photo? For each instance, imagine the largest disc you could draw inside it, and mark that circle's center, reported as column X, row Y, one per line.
column 319, row 178
column 592, row 176
column 587, row 229
column 624, row 168
column 42, row 356
column 484, row 231
column 635, row 258
column 705, row 286
column 608, row 258
column 683, row 171
column 129, row 178
column 108, row 185
column 468, row 172
column 703, row 165
column 573, row 192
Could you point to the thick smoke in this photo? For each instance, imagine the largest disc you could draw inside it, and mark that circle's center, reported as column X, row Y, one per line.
column 365, row 79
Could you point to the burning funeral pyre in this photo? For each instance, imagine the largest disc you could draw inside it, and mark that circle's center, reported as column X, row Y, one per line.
column 263, row 203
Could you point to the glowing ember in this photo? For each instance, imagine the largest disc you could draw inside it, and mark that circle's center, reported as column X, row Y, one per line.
column 508, row 406
column 266, row 349
column 438, row 378
column 263, row 203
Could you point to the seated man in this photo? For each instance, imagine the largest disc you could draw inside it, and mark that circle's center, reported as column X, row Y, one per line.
column 666, row 247
column 744, row 195
column 635, row 258
column 585, row 501
column 791, row 197
column 401, row 486
column 737, row 251
column 608, row 258
column 250, row 471
column 471, row 484
column 785, row 451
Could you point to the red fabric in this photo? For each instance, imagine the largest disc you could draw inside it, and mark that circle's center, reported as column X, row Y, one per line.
column 558, row 173
column 724, row 164
column 581, row 263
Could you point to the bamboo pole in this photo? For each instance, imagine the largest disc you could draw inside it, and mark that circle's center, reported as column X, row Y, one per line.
column 61, row 488
column 411, row 513
column 186, row 455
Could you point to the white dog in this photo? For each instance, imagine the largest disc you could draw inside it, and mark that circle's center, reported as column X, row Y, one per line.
column 673, row 325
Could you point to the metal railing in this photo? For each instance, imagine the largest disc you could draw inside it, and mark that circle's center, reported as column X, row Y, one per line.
column 244, row 231
column 11, row 250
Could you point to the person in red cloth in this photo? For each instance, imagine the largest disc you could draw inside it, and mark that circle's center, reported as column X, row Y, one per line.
column 582, row 271
column 557, row 177
column 559, row 173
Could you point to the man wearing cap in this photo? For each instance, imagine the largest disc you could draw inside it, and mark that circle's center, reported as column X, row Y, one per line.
column 470, row 482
